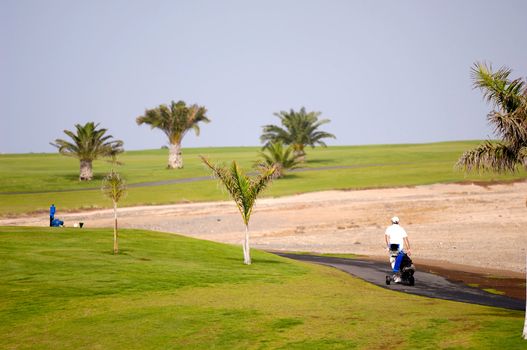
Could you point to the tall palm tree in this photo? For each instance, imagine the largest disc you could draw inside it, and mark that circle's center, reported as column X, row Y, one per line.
column 299, row 129
column 175, row 120
column 89, row 144
column 509, row 117
column 114, row 187
column 244, row 191
column 280, row 157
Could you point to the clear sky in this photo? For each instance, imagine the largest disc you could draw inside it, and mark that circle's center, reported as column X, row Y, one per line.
column 382, row 71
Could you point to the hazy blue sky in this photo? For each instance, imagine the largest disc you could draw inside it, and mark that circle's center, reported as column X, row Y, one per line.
column 382, row 71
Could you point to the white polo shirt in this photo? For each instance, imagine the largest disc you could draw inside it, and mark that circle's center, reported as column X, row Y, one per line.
column 396, row 235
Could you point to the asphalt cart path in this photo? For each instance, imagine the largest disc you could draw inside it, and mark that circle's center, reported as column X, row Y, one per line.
column 426, row 284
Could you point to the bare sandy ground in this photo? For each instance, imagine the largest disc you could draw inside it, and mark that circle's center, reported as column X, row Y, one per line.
column 479, row 226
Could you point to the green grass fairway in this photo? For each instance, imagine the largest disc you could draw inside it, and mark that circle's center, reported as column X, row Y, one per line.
column 23, row 177
column 63, row 289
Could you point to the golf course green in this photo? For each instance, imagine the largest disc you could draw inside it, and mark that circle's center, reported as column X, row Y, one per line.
column 63, row 288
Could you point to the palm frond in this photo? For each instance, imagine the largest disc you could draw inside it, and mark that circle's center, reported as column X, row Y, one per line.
column 175, row 120
column 88, row 143
column 234, row 183
column 496, row 86
column 261, row 182
column 273, row 133
column 242, row 194
column 509, row 119
column 257, row 185
column 113, row 186
column 299, row 129
column 278, row 156
column 242, row 189
column 510, row 126
column 490, row 156
column 522, row 155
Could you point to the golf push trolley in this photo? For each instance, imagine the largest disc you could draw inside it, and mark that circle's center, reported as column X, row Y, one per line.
column 403, row 268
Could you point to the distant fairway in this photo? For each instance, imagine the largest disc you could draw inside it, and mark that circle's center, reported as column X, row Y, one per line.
column 350, row 167
column 63, row 289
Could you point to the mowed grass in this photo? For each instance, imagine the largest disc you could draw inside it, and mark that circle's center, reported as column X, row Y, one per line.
column 63, row 289
column 31, row 182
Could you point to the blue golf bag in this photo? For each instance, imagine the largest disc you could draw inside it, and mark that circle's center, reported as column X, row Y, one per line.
column 57, row 223
column 403, row 268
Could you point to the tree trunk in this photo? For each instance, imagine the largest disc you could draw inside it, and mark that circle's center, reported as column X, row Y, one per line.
column 246, row 249
column 86, row 173
column 115, row 243
column 525, row 322
column 175, row 159
column 298, row 151
column 279, row 172
column 301, row 156
column 524, row 335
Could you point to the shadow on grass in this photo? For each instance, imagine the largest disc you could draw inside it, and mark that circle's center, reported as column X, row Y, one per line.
column 95, row 181
column 256, row 261
column 266, row 261
column 289, row 176
column 498, row 313
column 320, row 161
column 110, row 252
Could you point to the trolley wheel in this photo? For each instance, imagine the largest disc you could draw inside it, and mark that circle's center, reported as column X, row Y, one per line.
column 388, row 280
column 411, row 281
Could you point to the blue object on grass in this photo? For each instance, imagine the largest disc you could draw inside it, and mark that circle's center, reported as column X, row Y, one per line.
column 57, row 223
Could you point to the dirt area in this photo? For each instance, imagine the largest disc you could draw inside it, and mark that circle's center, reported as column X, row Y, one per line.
column 470, row 225
column 495, row 283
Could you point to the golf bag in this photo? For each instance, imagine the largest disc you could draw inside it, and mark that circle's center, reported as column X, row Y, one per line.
column 403, row 268
column 57, row 223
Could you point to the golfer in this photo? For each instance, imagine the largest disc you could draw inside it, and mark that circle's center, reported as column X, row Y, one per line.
column 51, row 214
column 395, row 234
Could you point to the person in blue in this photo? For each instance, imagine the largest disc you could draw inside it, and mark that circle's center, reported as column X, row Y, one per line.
column 51, row 214
column 397, row 242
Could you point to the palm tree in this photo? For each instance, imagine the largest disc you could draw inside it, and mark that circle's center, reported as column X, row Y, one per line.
column 89, row 144
column 299, row 130
column 509, row 117
column 280, row 157
column 175, row 120
column 243, row 191
column 114, row 187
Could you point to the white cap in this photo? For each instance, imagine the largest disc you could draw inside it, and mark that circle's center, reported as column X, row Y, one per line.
column 395, row 220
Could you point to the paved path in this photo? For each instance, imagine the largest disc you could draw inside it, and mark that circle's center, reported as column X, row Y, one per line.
column 426, row 284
